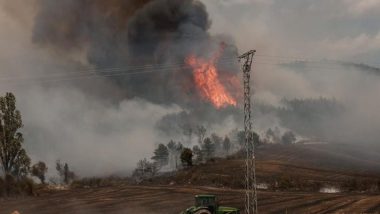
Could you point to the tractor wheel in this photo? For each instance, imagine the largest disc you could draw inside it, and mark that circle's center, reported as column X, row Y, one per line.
column 203, row 211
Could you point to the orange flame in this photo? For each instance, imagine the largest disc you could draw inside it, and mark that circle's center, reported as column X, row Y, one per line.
column 207, row 81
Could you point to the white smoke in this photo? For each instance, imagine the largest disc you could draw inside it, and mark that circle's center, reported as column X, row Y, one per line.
column 287, row 31
column 92, row 136
column 96, row 133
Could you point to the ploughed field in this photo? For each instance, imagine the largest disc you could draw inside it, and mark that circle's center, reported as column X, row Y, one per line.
column 170, row 199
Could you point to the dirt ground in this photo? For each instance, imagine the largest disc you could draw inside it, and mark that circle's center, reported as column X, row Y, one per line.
column 170, row 199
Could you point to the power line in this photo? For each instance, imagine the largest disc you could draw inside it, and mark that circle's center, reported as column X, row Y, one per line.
column 115, row 69
column 149, row 68
column 97, row 74
column 88, row 76
column 131, row 67
column 119, row 71
column 319, row 60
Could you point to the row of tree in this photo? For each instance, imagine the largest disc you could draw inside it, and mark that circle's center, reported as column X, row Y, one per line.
column 275, row 136
column 175, row 155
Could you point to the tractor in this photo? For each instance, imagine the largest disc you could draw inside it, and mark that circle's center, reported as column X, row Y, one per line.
column 207, row 204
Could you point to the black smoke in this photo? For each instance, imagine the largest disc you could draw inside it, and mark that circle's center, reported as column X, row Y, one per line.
column 134, row 36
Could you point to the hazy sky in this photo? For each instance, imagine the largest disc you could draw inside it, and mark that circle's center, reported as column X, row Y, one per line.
column 336, row 29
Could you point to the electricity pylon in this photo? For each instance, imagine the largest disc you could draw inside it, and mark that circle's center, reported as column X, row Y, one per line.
column 250, row 177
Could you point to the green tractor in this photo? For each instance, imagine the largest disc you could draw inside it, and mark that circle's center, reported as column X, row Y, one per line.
column 207, row 204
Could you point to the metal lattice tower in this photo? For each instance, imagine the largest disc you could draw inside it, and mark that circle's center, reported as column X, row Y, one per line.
column 250, row 177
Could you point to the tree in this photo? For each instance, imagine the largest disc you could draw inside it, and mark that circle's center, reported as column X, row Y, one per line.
column 173, row 154
column 256, row 138
column 288, row 138
column 187, row 130
column 217, row 140
column 208, row 148
column 179, row 147
column 161, row 155
column 59, row 168
column 68, row 175
column 145, row 170
column 227, row 145
column 270, row 136
column 187, row 157
column 64, row 172
column 13, row 157
column 201, row 133
column 277, row 133
column 241, row 138
column 39, row 170
column 22, row 166
column 175, row 150
column 178, row 151
column 273, row 136
column 198, row 154
column 171, row 146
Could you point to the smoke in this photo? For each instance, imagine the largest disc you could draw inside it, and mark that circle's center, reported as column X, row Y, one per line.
column 104, row 125
column 93, row 136
column 285, row 32
column 125, row 33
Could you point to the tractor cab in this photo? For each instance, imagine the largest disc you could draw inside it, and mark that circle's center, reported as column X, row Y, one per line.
column 207, row 204
column 208, row 201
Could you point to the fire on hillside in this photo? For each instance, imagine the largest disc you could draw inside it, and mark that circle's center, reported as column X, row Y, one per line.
column 206, row 78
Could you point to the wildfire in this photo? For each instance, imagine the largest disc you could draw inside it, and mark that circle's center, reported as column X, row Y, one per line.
column 207, row 81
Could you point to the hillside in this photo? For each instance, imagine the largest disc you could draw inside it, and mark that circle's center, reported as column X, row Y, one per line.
column 301, row 167
column 337, row 157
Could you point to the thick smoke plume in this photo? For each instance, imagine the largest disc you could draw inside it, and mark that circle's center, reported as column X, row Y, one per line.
column 129, row 35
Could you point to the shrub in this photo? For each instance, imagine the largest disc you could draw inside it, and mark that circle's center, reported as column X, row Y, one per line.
column 98, row 182
column 16, row 187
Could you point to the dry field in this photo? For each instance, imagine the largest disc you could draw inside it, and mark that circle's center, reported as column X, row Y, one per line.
column 169, row 199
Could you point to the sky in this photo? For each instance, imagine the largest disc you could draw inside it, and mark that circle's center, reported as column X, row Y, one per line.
column 323, row 29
